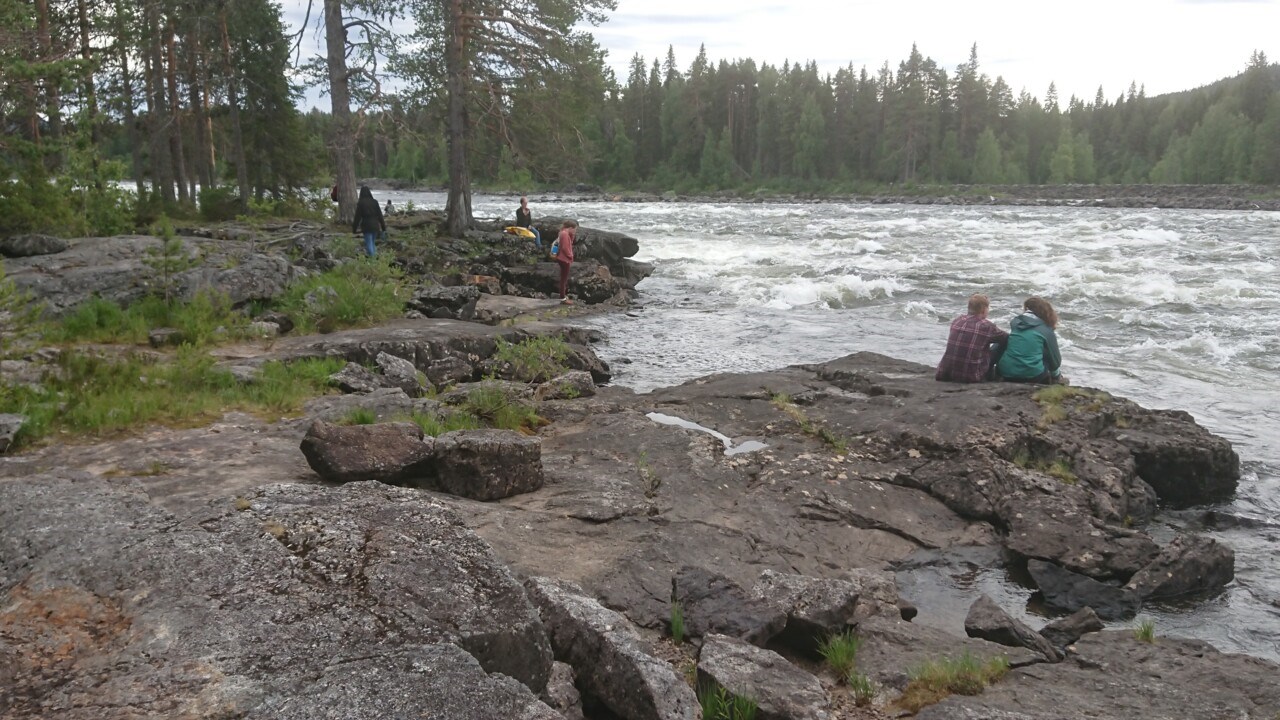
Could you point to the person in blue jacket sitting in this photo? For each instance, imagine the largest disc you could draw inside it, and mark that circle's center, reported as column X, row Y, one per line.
column 1031, row 355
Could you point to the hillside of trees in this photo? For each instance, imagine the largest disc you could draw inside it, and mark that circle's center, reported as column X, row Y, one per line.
column 198, row 102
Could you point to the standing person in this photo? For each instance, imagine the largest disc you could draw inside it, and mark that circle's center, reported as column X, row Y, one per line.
column 1032, row 355
column 562, row 251
column 524, row 219
column 389, row 209
column 974, row 345
column 368, row 220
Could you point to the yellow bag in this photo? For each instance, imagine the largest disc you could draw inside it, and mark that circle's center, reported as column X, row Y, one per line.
column 518, row 231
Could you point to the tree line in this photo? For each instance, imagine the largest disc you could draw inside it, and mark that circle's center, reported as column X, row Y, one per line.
column 197, row 103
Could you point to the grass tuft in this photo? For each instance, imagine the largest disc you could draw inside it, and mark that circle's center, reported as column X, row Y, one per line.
column 494, row 406
column 783, row 402
column 719, row 704
column 361, row 416
column 536, row 359
column 677, row 622
column 1146, row 631
column 864, row 691
column 936, row 679
column 841, row 653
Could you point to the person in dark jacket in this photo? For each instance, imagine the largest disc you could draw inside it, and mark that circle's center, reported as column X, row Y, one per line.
column 973, row 345
column 524, row 219
column 368, row 220
column 1031, row 355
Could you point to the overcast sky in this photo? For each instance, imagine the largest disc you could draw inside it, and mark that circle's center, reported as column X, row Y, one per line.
column 1168, row 45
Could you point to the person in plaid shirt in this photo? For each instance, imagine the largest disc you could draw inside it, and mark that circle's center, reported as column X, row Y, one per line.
column 974, row 345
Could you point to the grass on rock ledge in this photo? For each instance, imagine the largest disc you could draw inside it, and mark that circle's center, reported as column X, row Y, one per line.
column 91, row 396
column 935, row 680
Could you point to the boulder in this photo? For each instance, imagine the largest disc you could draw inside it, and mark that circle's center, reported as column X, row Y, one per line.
column 589, row 281
column 400, row 373
column 263, row 329
column 18, row 246
column 1066, row 630
column 780, row 690
column 817, row 608
column 892, row 648
column 294, row 601
column 570, row 385
column 1187, row 566
column 1072, row 591
column 482, row 464
column 713, row 603
column 612, row 664
column 387, row 452
column 355, row 378
column 282, row 321
column 10, row 425
column 1183, row 462
column 561, row 693
column 386, row 404
column 450, row 370
column 582, row 357
column 457, row 302
column 989, row 621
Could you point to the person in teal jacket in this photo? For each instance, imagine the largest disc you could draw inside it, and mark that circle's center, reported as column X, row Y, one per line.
column 1032, row 354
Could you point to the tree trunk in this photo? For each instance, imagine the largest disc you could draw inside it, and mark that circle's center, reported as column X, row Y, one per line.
column 90, row 93
column 342, row 144
column 52, row 85
column 158, row 115
column 199, row 70
column 458, row 209
column 233, row 100
column 175, row 109
column 130, row 120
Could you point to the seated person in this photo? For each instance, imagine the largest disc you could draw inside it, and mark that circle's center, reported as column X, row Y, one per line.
column 969, row 355
column 524, row 219
column 1032, row 353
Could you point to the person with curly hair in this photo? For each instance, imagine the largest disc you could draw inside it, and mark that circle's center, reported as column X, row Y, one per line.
column 1031, row 355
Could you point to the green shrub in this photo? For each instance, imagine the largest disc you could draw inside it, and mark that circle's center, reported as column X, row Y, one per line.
column 536, row 359
column 437, row 426
column 677, row 622
column 1145, row 631
column 360, row 293
column 87, row 395
column 361, row 416
column 206, row 319
column 936, row 679
column 841, row 653
column 718, row 704
column 219, row 203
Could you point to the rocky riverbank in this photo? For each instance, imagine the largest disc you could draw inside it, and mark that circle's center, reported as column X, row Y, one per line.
column 626, row 556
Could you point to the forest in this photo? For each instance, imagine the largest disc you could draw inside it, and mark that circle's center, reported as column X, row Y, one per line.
column 197, row 106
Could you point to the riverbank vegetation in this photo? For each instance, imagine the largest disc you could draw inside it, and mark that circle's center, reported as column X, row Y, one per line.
column 198, row 107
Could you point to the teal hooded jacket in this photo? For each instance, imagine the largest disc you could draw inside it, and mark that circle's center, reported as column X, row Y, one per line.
column 1032, row 349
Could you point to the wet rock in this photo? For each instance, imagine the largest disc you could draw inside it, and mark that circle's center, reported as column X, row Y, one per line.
column 989, row 621
column 10, row 425
column 1112, row 676
column 1060, row 529
column 294, row 602
column 456, row 302
column 400, row 373
column 570, row 385
column 613, row 666
column 483, row 464
column 713, row 603
column 1072, row 591
column 355, row 378
column 1188, row 565
column 780, row 690
column 820, row 607
column 387, row 452
column 1183, row 462
column 589, row 281
column 17, row 246
column 584, row 358
column 561, row 694
column 1065, row 631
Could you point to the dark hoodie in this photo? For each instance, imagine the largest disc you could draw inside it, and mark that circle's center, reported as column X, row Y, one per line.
column 1032, row 349
column 368, row 218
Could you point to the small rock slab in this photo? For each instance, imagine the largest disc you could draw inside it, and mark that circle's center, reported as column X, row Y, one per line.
column 612, row 664
column 387, row 452
column 457, row 302
column 780, row 690
column 163, row 337
column 713, row 603
column 1072, row 591
column 400, row 373
column 819, row 607
column 31, row 245
column 10, row 425
column 484, row 464
column 1190, row 564
column 1065, row 631
column 355, row 378
column 892, row 648
column 989, row 621
column 573, row 384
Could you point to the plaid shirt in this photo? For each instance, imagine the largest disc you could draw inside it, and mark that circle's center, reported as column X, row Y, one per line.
column 968, row 354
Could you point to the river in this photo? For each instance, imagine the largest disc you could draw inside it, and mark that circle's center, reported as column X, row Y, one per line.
column 1170, row 308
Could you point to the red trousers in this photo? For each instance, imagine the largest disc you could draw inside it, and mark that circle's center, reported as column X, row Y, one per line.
column 564, row 279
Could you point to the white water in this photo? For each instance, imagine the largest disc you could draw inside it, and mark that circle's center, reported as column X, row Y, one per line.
column 1171, row 308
